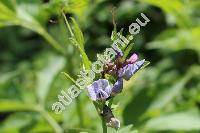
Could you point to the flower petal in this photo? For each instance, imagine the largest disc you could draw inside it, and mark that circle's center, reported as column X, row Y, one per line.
column 118, row 86
column 99, row 90
column 102, row 95
column 130, row 69
column 132, row 59
column 92, row 93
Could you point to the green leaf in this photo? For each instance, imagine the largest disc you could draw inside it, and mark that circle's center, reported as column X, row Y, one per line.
column 78, row 41
column 178, row 10
column 174, row 39
column 114, row 34
column 78, row 33
column 16, row 122
column 41, row 127
column 22, row 18
column 85, row 58
column 69, row 77
column 164, row 97
column 78, row 7
column 5, row 77
column 11, row 105
column 46, row 76
column 185, row 121
column 127, row 50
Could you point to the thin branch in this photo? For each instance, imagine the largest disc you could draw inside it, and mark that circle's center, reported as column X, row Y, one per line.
column 80, row 111
column 50, row 120
column 104, row 125
column 67, row 23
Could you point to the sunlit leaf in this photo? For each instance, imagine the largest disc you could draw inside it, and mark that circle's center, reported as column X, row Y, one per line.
column 177, row 40
column 77, row 40
column 15, row 122
column 78, row 33
column 22, row 18
column 11, row 105
column 177, row 9
column 183, row 121
column 127, row 50
column 69, row 77
column 164, row 97
column 46, row 76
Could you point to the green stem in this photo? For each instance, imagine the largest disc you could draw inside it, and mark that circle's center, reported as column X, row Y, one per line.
column 110, row 102
column 80, row 111
column 104, row 125
column 51, row 121
column 67, row 23
column 102, row 119
column 40, row 30
column 96, row 107
column 53, row 43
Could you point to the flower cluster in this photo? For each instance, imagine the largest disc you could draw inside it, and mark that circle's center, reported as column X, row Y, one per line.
column 102, row 89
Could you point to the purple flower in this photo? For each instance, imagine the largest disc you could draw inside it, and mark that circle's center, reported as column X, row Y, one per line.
column 117, row 87
column 130, row 69
column 132, row 59
column 99, row 90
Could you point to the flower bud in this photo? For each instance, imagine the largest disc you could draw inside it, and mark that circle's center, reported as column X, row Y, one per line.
column 114, row 123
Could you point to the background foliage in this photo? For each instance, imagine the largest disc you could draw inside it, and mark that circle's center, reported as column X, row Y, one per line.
column 35, row 48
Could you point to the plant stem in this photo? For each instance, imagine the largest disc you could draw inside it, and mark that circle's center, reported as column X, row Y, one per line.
column 80, row 111
column 67, row 23
column 104, row 125
column 102, row 119
column 51, row 121
column 41, row 31
column 53, row 43
column 110, row 102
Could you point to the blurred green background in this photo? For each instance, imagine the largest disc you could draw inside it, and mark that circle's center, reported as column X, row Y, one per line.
column 35, row 48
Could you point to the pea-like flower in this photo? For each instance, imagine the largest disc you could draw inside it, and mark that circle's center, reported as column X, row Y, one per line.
column 99, row 90
column 102, row 89
column 127, row 71
column 117, row 87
